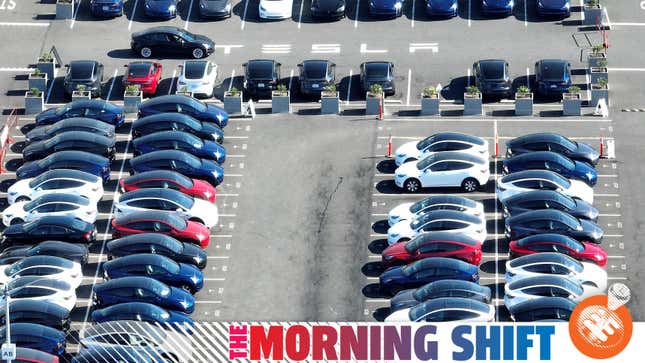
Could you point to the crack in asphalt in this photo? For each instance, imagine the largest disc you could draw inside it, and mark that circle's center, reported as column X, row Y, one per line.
column 329, row 198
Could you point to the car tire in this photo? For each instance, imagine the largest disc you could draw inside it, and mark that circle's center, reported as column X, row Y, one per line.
column 470, row 185
column 16, row 221
column 145, row 52
column 198, row 53
column 412, row 185
column 22, row 198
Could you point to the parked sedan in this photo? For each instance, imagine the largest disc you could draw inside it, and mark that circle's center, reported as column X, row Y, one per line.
column 43, row 289
column 45, row 312
column 535, row 287
column 386, row 8
column 529, row 180
column 275, row 9
column 442, row 8
column 145, row 312
column 548, row 160
column 547, row 221
column 315, row 76
column 177, row 122
column 408, row 211
column 161, row 268
column 492, row 76
column 201, row 111
column 553, row 76
column 445, row 169
column 549, row 199
column 69, row 159
column 439, row 221
column 427, row 270
column 433, row 244
column 381, row 73
column 35, row 356
column 70, row 125
column 51, row 227
column 261, row 76
column 85, row 73
column 57, row 181
column 551, row 242
column 215, row 8
column 544, row 308
column 72, row 140
column 95, row 109
column 454, row 309
column 36, row 336
column 161, row 222
column 170, row 40
column 52, row 267
column 180, row 161
column 179, row 140
column 170, row 180
column 549, row 141
column 442, row 288
column 327, row 9
column 554, row 7
column 70, row 251
column 498, row 7
column 144, row 74
column 160, row 244
column 51, row 204
column 164, row 9
column 106, row 8
column 142, row 289
column 198, row 77
column 440, row 142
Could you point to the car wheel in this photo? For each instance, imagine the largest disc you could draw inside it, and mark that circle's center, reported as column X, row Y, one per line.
column 145, row 52
column 22, row 199
column 16, row 221
column 198, row 53
column 470, row 185
column 412, row 185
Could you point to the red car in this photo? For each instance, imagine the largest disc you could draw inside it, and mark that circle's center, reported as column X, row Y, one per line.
column 551, row 242
column 161, row 222
column 169, row 179
column 33, row 356
column 146, row 74
column 433, row 244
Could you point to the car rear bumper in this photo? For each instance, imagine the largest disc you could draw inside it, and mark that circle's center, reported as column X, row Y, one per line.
column 441, row 13
column 160, row 14
column 554, row 12
column 107, row 11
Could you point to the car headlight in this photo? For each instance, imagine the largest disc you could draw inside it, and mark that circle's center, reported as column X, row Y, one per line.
column 399, row 176
column 511, row 3
column 184, row 303
column 394, row 235
column 454, row 6
column 372, row 3
column 397, row 6
column 194, row 279
column 341, row 9
column 227, row 8
column 567, row 5
column 13, row 193
column 262, row 9
column 8, row 215
column 172, row 8
column 394, row 216
column 388, row 258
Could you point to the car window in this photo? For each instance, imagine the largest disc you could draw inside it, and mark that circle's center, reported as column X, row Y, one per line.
column 141, row 226
column 143, row 293
column 458, row 165
column 81, row 70
column 454, row 225
column 434, row 226
column 547, row 185
column 144, row 203
column 440, row 166
column 160, row 227
column 530, row 184
column 60, row 184
column 194, row 70
column 45, row 208
column 429, row 272
column 76, row 112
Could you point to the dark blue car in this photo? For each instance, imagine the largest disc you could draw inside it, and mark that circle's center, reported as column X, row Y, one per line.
column 178, row 140
column 159, row 267
column 186, row 105
column 550, row 141
column 96, row 109
column 553, row 76
column 142, row 289
column 447, row 8
column 554, row 8
column 177, row 122
column 179, row 161
column 386, row 8
column 71, row 124
column 106, row 8
column 543, row 308
column 142, row 312
column 165, row 9
column 549, row 199
column 427, row 270
column 497, row 7
column 549, row 160
column 36, row 336
column 552, row 221
column 70, row 159
column 160, row 244
column 442, row 288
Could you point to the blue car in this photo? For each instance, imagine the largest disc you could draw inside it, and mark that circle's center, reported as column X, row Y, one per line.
column 498, row 7
column 36, row 336
column 442, row 288
column 183, row 141
column 550, row 141
column 386, row 8
column 165, row 9
column 427, row 270
column 142, row 289
column 177, row 122
column 159, row 244
column 181, row 162
column 553, row 76
column 187, row 105
column 159, row 267
column 106, row 8
column 543, row 308
column 549, row 160
column 554, row 8
column 549, row 199
column 552, row 221
column 96, row 109
column 444, row 8
column 142, row 312
column 70, row 159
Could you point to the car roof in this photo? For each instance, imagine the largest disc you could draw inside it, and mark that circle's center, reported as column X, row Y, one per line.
column 76, row 154
column 547, row 280
column 141, row 258
column 447, row 199
column 135, row 305
column 61, row 198
column 158, row 174
column 33, row 280
column 32, row 329
column 124, row 327
column 544, row 257
column 167, row 135
column 440, row 262
column 85, row 63
column 45, row 260
column 552, row 214
column 534, row 174
column 542, row 195
column 536, row 137
column 552, row 62
column 454, row 156
column 92, row 104
column 181, row 99
column 35, row 355
column 544, row 303
column 131, row 281
column 158, row 29
column 439, row 236
column 150, row 238
column 540, row 155
column 491, row 61
column 452, row 136
column 44, row 306
column 82, row 135
column 436, row 287
column 85, row 121
column 156, row 215
column 165, row 154
column 165, row 116
column 261, row 61
column 152, row 193
column 444, row 214
column 547, row 237
column 68, row 174
column 453, row 303
column 64, row 220
column 50, row 244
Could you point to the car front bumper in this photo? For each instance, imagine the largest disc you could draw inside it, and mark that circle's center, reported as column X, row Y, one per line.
column 106, row 10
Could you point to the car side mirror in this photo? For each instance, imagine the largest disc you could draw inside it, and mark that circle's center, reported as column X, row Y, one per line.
column 300, row 65
column 67, row 65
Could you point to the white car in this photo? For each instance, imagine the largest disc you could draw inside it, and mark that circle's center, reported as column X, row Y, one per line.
column 199, row 77
column 444, row 169
column 446, row 309
column 440, row 220
column 407, row 211
column 545, row 286
column 42, row 288
column 168, row 200
column 275, row 9
column 440, row 142
column 553, row 263
column 529, row 180
column 51, row 204
column 44, row 266
column 58, row 180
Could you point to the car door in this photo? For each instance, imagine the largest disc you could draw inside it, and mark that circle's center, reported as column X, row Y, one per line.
column 456, row 172
column 434, row 175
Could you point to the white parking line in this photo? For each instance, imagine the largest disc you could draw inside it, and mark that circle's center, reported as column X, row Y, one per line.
column 413, row 8
column 217, row 257
column 409, row 85
column 289, row 88
column 349, row 86
column 469, row 12
column 300, row 17
column 607, row 17
column 496, row 239
column 116, row 71
column 582, row 13
column 172, row 81
column 358, row 6
column 71, row 26
column 24, row 24
column 377, row 300
column 208, row 301
column 214, row 279
column 230, row 83
column 528, row 73
column 626, row 69
column 526, row 18
column 246, row 5
column 468, row 79
column 628, row 24
column 15, row 69
column 134, row 10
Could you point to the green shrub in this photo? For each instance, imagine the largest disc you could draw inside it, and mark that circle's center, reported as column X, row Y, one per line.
column 574, row 89
column 376, row 90
column 35, row 92
column 234, row 91
column 429, row 91
column 523, row 89
column 472, row 90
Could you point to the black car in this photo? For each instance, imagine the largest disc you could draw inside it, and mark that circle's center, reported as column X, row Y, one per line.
column 381, row 73
column 51, row 227
column 37, row 311
column 173, row 121
column 170, row 40
column 327, row 9
column 187, row 105
column 543, row 308
column 85, row 73
column 552, row 221
column 553, row 76
column 315, row 75
column 71, row 140
column 159, row 244
column 73, row 252
column 549, row 199
column 71, row 124
column 549, row 141
column 261, row 76
column 36, row 336
column 215, row 8
column 492, row 78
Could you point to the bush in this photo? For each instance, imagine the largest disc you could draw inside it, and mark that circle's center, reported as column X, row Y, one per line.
column 183, row 89
column 46, row 57
column 592, row 3
column 281, row 88
column 35, row 92
column 523, row 89
column 234, row 91
column 598, row 49
column 429, row 91
column 602, row 63
column 602, row 82
column 472, row 90
column 574, row 89
column 37, row 72
column 330, row 88
column 81, row 88
column 376, row 89
column 132, row 89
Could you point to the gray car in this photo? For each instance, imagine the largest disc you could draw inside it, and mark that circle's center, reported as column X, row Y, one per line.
column 85, row 73
column 215, row 8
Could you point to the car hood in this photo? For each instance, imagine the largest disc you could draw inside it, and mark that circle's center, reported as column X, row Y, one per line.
column 591, row 229
column 398, row 212
column 204, row 40
column 588, row 173
column 34, row 147
column 396, row 250
column 329, row 5
column 395, row 232
column 409, row 149
column 178, row 295
column 192, row 273
column 586, row 209
column 408, row 169
column 217, row 113
column 46, row 115
column 441, row 4
column 581, row 190
column 595, row 253
column 214, row 6
column 195, row 251
column 27, row 168
column 37, row 133
column 553, row 3
column 587, row 152
column 404, row 299
column 13, row 209
column 276, row 6
column 595, row 274
column 498, row 3
column 391, row 273
column 213, row 148
column 13, row 230
column 195, row 229
column 160, row 4
column 384, row 4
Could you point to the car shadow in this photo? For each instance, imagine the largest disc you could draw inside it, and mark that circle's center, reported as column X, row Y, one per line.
column 381, row 313
column 5, row 184
column 373, row 269
column 377, row 246
column 13, row 164
column 387, row 166
column 363, row 11
column 380, row 226
column 502, row 244
column 350, row 94
column 494, row 266
column 113, row 88
column 455, row 89
column 375, row 291
column 226, row 84
column 18, row 147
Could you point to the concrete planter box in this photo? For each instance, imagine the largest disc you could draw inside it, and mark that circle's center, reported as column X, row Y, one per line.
column 49, row 68
column 64, row 9
column 430, row 106
column 597, row 94
column 131, row 102
column 373, row 104
column 233, row 102
column 81, row 95
column 329, row 103
column 594, row 60
column 472, row 104
column 39, row 82
column 523, row 104
column 598, row 73
column 280, row 102
column 571, row 104
column 34, row 105
column 593, row 15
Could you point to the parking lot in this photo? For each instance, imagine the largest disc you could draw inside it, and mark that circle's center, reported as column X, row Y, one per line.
column 305, row 197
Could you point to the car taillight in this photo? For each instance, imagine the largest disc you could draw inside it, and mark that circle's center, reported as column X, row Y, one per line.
column 87, row 235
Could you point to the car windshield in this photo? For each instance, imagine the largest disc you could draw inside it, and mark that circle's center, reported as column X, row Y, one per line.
column 442, row 200
column 376, row 70
column 61, row 110
column 492, row 70
column 194, row 70
column 138, row 70
column 260, row 70
column 315, row 70
column 553, row 70
column 187, row 35
column 427, row 162
column 176, row 221
column 81, row 70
